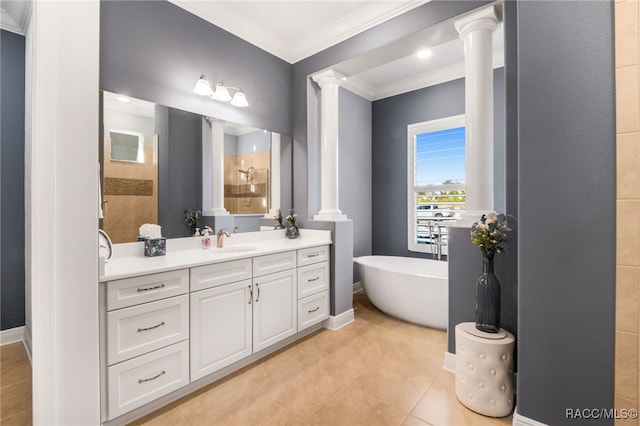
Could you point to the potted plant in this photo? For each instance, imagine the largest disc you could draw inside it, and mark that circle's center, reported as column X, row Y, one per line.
column 278, row 217
column 292, row 229
column 191, row 218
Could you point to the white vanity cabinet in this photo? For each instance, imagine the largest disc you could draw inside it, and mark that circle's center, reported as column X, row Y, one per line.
column 170, row 332
column 313, row 286
column 274, row 308
column 231, row 320
column 147, row 332
column 221, row 316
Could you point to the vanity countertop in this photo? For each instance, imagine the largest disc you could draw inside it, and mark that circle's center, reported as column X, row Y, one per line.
column 128, row 259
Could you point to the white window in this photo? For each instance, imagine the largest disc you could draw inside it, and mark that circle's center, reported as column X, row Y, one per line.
column 435, row 182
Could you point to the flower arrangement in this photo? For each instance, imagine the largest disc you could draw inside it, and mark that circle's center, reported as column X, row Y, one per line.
column 278, row 216
column 490, row 232
column 191, row 218
column 291, row 216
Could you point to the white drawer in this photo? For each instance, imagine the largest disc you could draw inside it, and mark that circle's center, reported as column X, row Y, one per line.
column 313, row 279
column 143, row 328
column 313, row 255
column 220, row 273
column 140, row 380
column 147, row 288
column 312, row 310
column 263, row 265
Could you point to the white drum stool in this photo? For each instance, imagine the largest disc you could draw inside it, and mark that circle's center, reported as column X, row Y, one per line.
column 484, row 363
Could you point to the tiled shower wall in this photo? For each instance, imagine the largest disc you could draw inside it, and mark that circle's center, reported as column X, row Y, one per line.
column 628, row 206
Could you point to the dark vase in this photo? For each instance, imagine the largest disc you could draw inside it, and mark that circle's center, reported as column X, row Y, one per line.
column 292, row 231
column 279, row 225
column 488, row 297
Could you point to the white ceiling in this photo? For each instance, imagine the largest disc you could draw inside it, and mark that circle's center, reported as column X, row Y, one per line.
column 295, row 29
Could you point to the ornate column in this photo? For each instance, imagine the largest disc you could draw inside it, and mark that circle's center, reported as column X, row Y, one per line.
column 476, row 30
column 217, row 169
column 329, row 82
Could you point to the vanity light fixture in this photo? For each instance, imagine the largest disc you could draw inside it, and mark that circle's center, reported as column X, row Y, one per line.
column 220, row 92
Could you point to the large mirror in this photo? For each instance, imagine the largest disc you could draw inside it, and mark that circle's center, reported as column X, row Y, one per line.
column 156, row 163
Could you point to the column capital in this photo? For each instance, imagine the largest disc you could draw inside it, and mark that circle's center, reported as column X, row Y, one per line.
column 483, row 19
column 329, row 76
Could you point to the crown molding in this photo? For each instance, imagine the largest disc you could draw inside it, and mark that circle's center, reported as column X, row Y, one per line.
column 15, row 16
column 432, row 78
column 348, row 26
column 229, row 20
column 292, row 51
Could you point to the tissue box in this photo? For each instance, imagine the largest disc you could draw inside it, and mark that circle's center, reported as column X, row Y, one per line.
column 155, row 246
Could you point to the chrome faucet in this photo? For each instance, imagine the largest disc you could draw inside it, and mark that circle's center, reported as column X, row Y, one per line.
column 436, row 246
column 221, row 234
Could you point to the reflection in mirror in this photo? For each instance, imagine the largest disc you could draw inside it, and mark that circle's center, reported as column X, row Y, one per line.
column 156, row 163
column 130, row 167
column 247, row 160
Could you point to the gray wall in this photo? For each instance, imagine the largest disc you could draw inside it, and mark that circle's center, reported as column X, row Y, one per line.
column 156, row 51
column 12, row 289
column 260, row 139
column 566, row 195
column 179, row 169
column 354, row 166
column 390, row 119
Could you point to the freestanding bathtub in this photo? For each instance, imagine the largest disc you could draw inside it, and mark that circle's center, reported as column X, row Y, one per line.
column 411, row 289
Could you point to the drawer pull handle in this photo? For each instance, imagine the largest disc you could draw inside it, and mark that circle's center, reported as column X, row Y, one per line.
column 152, row 378
column 151, row 288
column 313, row 255
column 314, row 310
column 150, row 328
column 258, row 297
column 313, row 279
column 250, row 294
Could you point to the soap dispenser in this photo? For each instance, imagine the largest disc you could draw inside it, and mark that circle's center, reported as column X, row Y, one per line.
column 207, row 241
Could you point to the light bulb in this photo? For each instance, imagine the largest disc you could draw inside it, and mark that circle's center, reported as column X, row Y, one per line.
column 221, row 93
column 239, row 99
column 203, row 87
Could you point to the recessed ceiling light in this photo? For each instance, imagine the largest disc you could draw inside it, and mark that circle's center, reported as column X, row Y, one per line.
column 123, row 99
column 424, row 54
column 344, row 78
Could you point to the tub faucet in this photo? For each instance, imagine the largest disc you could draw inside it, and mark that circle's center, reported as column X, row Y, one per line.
column 439, row 243
column 221, row 234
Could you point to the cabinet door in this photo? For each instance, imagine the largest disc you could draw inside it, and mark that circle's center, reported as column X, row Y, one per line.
column 275, row 308
column 220, row 327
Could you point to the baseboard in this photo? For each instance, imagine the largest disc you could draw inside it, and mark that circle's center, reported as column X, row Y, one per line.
column 11, row 335
column 520, row 420
column 27, row 343
column 450, row 362
column 338, row 321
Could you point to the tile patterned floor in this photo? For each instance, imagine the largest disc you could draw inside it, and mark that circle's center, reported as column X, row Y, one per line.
column 15, row 386
column 375, row 371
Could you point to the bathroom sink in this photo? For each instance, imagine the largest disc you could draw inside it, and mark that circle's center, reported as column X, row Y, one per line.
column 234, row 249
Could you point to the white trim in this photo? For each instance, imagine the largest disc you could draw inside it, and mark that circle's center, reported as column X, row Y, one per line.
column 12, row 335
column 520, row 420
column 432, row 78
column 338, row 321
column 15, row 16
column 27, row 344
column 227, row 17
column 450, row 362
